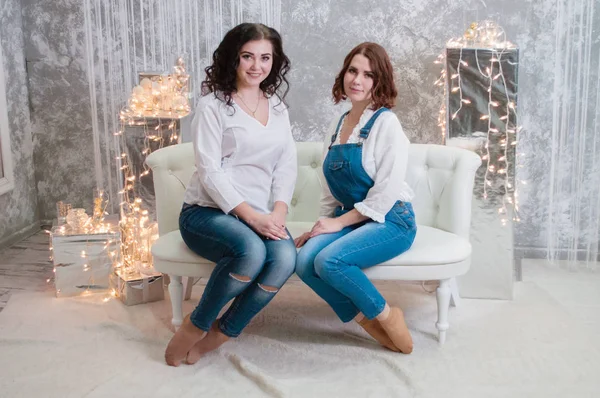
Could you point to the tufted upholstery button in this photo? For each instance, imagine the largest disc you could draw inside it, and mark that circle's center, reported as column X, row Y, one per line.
column 294, row 202
column 313, row 165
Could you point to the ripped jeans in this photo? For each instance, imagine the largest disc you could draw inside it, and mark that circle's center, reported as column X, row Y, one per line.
column 249, row 268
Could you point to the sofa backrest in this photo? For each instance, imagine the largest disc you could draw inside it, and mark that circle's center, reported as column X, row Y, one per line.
column 442, row 178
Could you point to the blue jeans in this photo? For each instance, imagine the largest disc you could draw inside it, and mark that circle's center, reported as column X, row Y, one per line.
column 249, row 268
column 332, row 264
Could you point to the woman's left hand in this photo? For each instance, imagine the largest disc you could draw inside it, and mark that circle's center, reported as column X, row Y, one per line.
column 279, row 217
column 326, row 226
column 302, row 239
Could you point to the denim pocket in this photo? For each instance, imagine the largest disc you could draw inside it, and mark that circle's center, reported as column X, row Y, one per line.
column 403, row 214
column 337, row 165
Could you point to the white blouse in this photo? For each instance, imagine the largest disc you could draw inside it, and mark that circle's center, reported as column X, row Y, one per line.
column 240, row 160
column 385, row 160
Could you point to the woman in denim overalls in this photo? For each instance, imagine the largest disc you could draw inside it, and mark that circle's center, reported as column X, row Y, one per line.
column 366, row 215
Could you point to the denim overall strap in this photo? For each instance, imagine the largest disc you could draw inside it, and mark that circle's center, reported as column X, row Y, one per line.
column 364, row 132
column 337, row 129
column 348, row 181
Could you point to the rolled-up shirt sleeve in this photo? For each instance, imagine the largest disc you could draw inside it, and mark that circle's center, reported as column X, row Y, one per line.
column 391, row 161
column 286, row 170
column 207, row 138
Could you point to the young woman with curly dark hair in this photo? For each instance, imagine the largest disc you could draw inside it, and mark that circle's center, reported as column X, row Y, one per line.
column 235, row 206
column 366, row 215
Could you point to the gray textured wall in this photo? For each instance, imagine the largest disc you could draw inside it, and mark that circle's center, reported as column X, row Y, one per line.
column 18, row 208
column 317, row 34
column 59, row 97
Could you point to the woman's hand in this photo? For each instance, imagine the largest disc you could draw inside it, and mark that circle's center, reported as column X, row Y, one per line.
column 326, row 226
column 271, row 226
column 279, row 214
column 268, row 226
column 301, row 240
column 322, row 226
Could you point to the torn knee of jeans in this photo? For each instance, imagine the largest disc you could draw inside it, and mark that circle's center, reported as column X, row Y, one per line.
column 269, row 289
column 240, row 278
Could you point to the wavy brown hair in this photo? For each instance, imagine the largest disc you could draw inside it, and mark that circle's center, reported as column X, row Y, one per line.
column 384, row 92
column 221, row 76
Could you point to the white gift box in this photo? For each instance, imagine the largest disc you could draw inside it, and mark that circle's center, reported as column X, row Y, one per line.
column 83, row 262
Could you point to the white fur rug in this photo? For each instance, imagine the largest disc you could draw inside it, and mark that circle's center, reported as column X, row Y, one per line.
column 529, row 347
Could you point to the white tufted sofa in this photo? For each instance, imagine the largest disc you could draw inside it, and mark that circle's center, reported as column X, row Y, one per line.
column 442, row 178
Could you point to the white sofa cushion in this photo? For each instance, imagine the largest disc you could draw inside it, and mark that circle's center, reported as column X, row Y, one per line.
column 432, row 246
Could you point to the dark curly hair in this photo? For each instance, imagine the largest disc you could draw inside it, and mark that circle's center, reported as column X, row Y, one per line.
column 222, row 74
column 384, row 90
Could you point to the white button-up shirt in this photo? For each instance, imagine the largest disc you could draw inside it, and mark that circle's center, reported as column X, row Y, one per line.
column 240, row 160
column 385, row 160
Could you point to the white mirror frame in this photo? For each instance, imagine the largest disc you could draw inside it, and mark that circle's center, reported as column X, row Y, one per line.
column 7, row 181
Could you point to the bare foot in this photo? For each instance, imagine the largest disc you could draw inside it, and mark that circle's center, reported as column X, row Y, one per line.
column 396, row 329
column 213, row 340
column 374, row 328
column 186, row 336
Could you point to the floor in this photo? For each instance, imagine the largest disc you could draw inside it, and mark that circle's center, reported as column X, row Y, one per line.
column 25, row 266
column 541, row 344
column 577, row 291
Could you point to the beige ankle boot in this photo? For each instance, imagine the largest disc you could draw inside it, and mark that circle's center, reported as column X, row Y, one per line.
column 396, row 329
column 184, row 339
column 374, row 328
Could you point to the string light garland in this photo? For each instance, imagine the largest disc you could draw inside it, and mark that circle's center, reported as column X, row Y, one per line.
column 157, row 105
column 160, row 96
column 489, row 38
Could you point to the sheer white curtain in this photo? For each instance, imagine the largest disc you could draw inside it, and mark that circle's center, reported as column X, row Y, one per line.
column 574, row 194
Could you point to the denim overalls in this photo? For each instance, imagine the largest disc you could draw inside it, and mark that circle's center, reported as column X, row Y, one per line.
column 347, row 179
column 332, row 264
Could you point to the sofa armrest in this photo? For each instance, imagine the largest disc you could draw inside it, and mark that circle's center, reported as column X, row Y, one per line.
column 455, row 205
column 172, row 168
